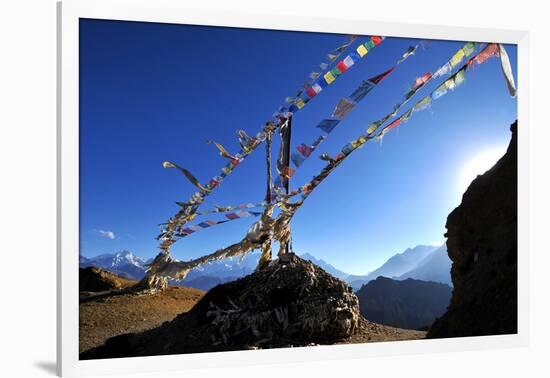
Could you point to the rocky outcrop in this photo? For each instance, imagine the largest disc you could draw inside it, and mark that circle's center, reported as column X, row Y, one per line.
column 410, row 304
column 92, row 279
column 290, row 303
column 482, row 243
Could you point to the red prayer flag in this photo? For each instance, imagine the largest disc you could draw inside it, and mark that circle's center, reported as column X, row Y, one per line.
column 376, row 39
column 393, row 124
column 342, row 66
column 311, row 92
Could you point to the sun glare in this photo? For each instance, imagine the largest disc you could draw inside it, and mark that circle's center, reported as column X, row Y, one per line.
column 479, row 164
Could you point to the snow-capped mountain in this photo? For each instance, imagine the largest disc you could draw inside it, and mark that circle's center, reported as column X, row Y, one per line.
column 128, row 265
column 123, row 263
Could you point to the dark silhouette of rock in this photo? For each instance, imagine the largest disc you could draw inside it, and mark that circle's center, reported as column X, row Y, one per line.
column 292, row 303
column 482, row 243
column 410, row 303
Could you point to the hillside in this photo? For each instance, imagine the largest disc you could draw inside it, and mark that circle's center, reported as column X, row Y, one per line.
column 410, row 304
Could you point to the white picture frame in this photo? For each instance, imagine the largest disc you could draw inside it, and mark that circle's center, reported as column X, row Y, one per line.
column 173, row 11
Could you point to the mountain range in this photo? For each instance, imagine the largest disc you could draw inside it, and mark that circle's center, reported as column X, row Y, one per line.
column 427, row 263
column 411, row 304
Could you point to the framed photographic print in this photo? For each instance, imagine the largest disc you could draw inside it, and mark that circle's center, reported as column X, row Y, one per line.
column 236, row 185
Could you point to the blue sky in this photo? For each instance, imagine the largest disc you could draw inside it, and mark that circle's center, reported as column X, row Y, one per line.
column 155, row 92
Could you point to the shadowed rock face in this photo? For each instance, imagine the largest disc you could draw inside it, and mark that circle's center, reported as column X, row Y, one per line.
column 482, row 243
column 295, row 304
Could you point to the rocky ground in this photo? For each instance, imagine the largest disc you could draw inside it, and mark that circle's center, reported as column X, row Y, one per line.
column 291, row 304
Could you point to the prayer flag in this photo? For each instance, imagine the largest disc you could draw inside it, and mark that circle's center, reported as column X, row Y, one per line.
column 343, row 108
column 488, row 52
column 376, row 39
column 469, row 48
column 297, row 159
column 327, row 125
column 317, row 88
column 323, row 66
column 354, row 57
column 342, row 67
column 231, row 216
column 439, row 91
column 443, row 70
column 395, row 123
column 361, row 91
column 507, row 71
column 423, row 104
column 304, row 149
column 329, row 77
column 460, row 76
column 373, row 126
column 314, row 75
column 348, row 148
column 362, row 50
column 348, row 61
column 457, row 58
column 410, row 51
column 378, row 78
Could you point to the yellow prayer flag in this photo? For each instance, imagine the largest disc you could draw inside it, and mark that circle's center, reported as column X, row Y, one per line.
column 457, row 58
column 372, row 128
column 362, row 50
column 329, row 77
column 300, row 103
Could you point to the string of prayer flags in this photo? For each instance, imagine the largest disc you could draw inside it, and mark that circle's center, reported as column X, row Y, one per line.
column 507, row 70
column 186, row 173
column 347, row 104
column 451, row 83
column 465, row 51
column 322, row 80
column 186, row 231
column 468, row 49
column 225, row 209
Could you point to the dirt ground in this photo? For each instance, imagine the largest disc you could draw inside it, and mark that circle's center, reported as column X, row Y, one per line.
column 104, row 318
column 373, row 332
